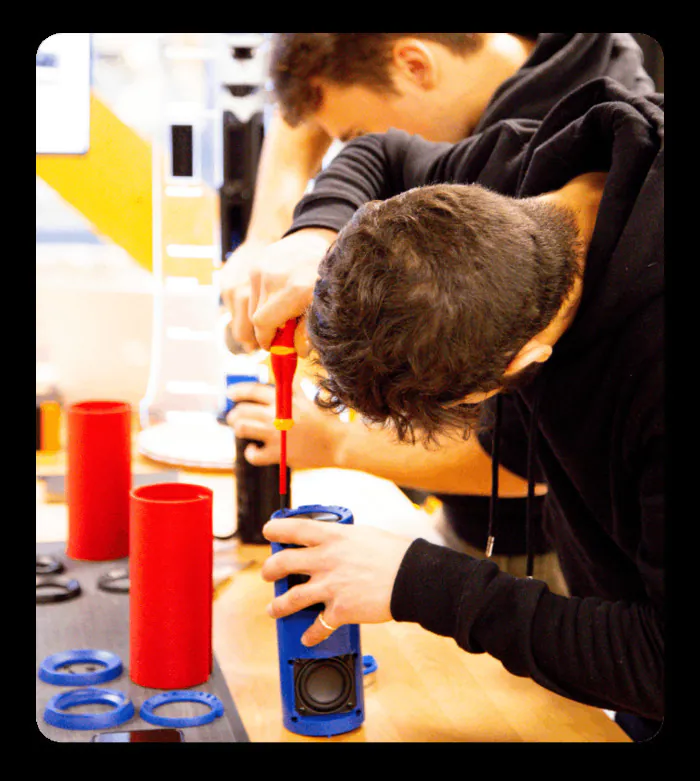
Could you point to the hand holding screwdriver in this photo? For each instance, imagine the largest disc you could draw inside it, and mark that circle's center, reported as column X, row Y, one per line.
column 282, row 282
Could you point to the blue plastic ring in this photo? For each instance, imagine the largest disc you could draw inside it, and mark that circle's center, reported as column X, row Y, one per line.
column 344, row 515
column 369, row 664
column 111, row 667
column 214, row 703
column 54, row 713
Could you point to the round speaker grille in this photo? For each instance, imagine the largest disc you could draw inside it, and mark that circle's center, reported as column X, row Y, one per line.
column 324, row 686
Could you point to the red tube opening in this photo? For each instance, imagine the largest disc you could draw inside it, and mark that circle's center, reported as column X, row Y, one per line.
column 99, row 407
column 171, row 492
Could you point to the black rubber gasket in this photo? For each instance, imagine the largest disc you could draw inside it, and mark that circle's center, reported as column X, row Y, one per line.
column 71, row 588
column 48, row 565
column 115, row 581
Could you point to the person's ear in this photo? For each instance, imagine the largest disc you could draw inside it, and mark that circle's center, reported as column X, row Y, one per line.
column 533, row 352
column 415, row 61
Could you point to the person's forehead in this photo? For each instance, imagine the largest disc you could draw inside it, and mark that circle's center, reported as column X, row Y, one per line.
column 347, row 110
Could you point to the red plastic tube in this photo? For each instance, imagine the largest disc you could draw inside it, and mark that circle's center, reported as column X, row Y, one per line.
column 170, row 585
column 98, row 480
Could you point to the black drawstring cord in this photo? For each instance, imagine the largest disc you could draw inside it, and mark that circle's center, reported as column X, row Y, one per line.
column 531, row 450
column 495, row 461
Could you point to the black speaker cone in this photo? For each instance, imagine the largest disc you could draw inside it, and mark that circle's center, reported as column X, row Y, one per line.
column 324, row 686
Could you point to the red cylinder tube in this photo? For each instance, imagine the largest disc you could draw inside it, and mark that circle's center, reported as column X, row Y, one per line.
column 98, row 480
column 170, row 585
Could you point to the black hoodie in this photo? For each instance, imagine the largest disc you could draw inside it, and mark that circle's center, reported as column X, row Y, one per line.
column 559, row 64
column 599, row 429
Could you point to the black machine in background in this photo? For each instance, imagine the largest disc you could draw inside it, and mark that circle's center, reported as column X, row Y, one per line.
column 242, row 142
column 243, row 79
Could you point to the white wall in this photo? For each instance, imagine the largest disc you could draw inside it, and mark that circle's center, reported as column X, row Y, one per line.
column 94, row 310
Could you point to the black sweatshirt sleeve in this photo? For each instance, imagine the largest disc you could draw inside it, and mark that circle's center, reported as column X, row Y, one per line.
column 599, row 653
column 379, row 166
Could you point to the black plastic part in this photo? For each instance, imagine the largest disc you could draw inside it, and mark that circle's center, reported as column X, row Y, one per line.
column 115, row 581
column 242, row 143
column 242, row 90
column 48, row 565
column 70, row 588
column 257, row 495
column 181, row 139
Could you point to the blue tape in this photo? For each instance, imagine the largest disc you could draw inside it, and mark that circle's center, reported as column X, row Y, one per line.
column 54, row 713
column 110, row 664
column 214, row 703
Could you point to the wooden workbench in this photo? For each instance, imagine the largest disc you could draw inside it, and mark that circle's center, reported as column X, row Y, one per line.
column 426, row 689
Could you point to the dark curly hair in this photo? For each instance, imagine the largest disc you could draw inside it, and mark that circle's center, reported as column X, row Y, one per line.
column 296, row 59
column 426, row 298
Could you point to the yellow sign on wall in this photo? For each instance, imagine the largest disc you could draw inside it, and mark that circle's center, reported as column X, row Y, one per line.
column 110, row 184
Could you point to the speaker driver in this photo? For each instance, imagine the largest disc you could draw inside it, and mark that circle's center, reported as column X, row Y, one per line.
column 324, row 686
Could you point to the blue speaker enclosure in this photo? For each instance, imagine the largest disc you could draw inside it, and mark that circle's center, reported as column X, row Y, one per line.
column 322, row 687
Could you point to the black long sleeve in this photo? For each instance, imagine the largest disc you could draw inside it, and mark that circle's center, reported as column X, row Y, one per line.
column 601, row 653
column 378, row 166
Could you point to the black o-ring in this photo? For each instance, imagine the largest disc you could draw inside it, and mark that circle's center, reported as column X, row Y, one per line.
column 48, row 565
column 71, row 588
column 115, row 581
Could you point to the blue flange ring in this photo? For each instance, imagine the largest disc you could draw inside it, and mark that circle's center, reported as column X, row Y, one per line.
column 369, row 664
column 215, row 704
column 55, row 715
column 110, row 668
column 343, row 515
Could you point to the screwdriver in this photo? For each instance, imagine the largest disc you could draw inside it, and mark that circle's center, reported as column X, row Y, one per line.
column 283, row 357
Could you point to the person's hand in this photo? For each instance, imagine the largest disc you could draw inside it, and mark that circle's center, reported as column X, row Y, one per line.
column 311, row 442
column 282, row 282
column 234, row 284
column 352, row 571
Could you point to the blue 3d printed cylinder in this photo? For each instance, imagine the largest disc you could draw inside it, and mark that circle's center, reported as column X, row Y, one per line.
column 322, row 687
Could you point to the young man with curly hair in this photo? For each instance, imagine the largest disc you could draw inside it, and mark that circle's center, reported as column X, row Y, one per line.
column 524, row 263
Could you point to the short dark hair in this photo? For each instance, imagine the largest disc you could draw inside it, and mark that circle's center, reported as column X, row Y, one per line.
column 426, row 298
column 296, row 59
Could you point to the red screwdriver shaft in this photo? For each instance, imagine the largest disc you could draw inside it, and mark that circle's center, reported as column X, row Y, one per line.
column 283, row 357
